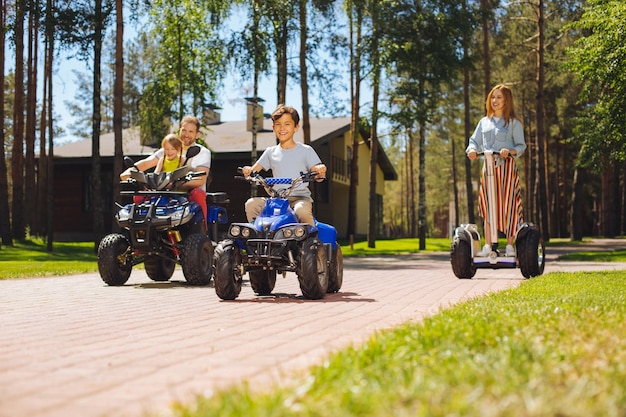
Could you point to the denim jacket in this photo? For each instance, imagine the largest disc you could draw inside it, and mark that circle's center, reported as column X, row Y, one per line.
column 493, row 135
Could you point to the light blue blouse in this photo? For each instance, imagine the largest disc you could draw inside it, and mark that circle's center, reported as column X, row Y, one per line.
column 492, row 135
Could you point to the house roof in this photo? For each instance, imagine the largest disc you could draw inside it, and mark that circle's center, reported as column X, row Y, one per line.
column 221, row 138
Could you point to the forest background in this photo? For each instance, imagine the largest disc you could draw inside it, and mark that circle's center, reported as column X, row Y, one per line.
column 416, row 72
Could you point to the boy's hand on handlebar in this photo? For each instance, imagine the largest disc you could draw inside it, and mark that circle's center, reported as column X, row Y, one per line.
column 320, row 169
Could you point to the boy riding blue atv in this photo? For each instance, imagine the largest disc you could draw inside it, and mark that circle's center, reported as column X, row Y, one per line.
column 282, row 234
column 287, row 160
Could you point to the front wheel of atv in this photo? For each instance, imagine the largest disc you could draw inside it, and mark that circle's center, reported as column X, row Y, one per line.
column 262, row 281
column 197, row 259
column 313, row 270
column 461, row 259
column 335, row 273
column 531, row 254
column 159, row 269
column 115, row 260
column 227, row 276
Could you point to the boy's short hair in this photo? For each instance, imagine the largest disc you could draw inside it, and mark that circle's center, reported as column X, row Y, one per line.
column 282, row 109
column 191, row 119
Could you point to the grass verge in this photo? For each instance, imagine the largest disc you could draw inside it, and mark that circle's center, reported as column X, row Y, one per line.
column 30, row 258
column 552, row 347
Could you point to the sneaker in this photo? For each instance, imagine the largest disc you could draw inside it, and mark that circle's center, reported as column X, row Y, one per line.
column 486, row 251
column 510, row 251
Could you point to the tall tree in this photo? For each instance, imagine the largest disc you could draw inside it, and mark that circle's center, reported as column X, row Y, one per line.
column 599, row 61
column 424, row 47
column 304, row 79
column 356, row 9
column 5, row 220
column 30, row 183
column 100, row 14
column 118, row 96
column 190, row 62
column 376, row 63
column 48, row 122
column 17, row 157
column 542, row 150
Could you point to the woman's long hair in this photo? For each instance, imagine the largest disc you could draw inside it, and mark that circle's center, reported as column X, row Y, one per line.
column 508, row 112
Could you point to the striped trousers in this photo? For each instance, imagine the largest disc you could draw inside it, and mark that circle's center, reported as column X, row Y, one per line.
column 508, row 197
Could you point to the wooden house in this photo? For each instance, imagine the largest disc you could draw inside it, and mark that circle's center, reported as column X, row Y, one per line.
column 231, row 147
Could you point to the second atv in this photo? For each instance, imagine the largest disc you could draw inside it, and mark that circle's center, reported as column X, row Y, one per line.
column 161, row 228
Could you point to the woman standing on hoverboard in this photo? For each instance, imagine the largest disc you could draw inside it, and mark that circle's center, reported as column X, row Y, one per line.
column 500, row 131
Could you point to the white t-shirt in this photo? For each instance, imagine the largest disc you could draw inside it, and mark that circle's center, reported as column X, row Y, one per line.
column 203, row 159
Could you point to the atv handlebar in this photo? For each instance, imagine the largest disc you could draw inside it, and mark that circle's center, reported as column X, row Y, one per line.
column 268, row 183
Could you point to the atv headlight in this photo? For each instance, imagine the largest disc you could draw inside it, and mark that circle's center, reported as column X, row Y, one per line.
column 178, row 214
column 300, row 231
column 237, row 230
column 292, row 232
column 123, row 215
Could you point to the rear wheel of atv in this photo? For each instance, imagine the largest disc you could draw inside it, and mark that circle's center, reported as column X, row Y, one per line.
column 335, row 272
column 531, row 254
column 461, row 259
column 262, row 281
column 313, row 270
column 159, row 269
column 196, row 259
column 115, row 260
column 227, row 276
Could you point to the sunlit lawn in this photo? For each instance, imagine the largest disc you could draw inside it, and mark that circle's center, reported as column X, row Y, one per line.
column 552, row 347
column 30, row 258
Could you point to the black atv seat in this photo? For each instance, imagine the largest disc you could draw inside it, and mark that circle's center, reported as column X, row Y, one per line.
column 217, row 198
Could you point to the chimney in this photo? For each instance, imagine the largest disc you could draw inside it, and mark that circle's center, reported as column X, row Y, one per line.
column 210, row 116
column 259, row 113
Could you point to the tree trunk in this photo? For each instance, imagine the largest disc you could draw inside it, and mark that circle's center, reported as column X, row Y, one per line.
column 355, row 87
column 485, row 8
column 411, row 170
column 96, row 182
column 17, row 157
column 5, row 218
column 118, row 99
column 541, row 133
column 281, row 48
column 373, row 197
column 607, row 204
column 50, row 164
column 304, row 81
column 30, row 187
column 422, row 221
column 42, row 167
column 467, row 128
column 576, row 229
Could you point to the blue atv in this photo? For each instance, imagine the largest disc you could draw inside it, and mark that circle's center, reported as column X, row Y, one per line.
column 277, row 243
column 161, row 228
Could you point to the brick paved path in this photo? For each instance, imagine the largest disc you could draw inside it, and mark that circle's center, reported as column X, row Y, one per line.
column 71, row 346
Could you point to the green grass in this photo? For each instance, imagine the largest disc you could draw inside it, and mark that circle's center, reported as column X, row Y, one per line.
column 394, row 246
column 595, row 256
column 552, row 347
column 30, row 258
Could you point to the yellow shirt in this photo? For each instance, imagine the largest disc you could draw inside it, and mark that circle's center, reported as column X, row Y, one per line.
column 170, row 165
